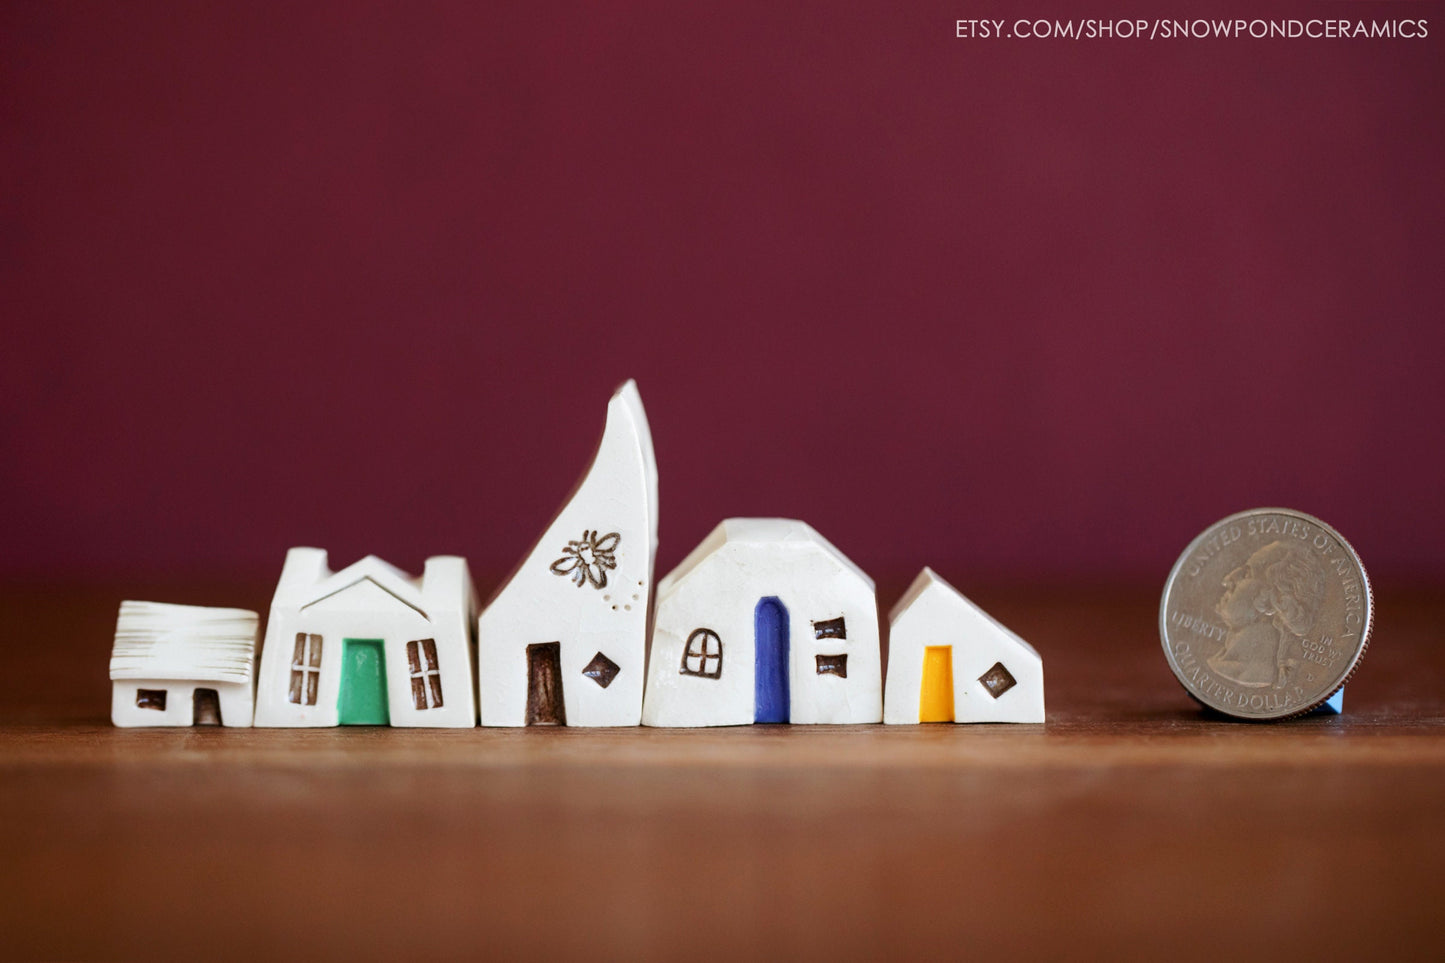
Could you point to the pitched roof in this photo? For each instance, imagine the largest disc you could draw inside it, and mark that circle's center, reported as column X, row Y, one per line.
column 626, row 436
column 925, row 579
column 929, row 583
column 156, row 640
column 383, row 575
column 759, row 531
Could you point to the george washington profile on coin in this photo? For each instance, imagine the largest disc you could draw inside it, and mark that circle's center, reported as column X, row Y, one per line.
column 1270, row 603
column 1266, row 614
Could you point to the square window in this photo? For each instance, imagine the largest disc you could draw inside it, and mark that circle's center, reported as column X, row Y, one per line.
column 151, row 699
column 830, row 629
column 833, row 665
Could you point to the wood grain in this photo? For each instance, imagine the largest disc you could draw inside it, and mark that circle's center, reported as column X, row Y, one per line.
column 1130, row 824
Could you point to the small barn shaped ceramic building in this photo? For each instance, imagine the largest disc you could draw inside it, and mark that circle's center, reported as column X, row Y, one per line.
column 764, row 622
column 950, row 661
column 564, row 641
column 368, row 645
column 181, row 665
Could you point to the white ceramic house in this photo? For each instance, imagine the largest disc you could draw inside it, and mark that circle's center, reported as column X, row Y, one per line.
column 564, row 641
column 182, row 665
column 950, row 661
column 368, row 645
column 764, row 622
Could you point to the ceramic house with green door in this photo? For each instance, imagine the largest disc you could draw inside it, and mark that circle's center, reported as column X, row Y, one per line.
column 368, row 645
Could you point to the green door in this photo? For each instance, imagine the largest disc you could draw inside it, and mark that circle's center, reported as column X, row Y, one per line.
column 363, row 683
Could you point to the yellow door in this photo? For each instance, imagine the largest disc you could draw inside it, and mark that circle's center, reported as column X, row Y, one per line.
column 935, row 702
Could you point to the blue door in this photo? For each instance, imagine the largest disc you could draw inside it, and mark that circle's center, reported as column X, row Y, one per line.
column 770, row 641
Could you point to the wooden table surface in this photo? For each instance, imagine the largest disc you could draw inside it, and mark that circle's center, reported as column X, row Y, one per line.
column 1130, row 824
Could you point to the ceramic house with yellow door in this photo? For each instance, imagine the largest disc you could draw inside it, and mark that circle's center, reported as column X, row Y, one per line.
column 764, row 622
column 950, row 661
column 368, row 645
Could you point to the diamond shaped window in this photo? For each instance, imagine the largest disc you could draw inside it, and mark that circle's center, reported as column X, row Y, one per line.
column 998, row 680
column 601, row 670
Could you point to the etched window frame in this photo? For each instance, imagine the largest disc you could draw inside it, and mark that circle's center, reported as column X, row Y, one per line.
column 425, row 672
column 305, row 669
column 698, row 659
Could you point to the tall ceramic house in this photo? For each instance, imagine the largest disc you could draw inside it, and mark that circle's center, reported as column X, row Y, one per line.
column 368, row 645
column 182, row 665
column 764, row 622
column 564, row 642
column 950, row 661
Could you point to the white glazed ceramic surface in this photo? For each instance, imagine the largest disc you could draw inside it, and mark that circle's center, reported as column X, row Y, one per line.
column 175, row 650
column 932, row 612
column 718, row 587
column 586, row 585
column 369, row 600
column 235, row 703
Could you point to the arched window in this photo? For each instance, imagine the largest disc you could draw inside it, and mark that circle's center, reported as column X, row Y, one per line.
column 702, row 656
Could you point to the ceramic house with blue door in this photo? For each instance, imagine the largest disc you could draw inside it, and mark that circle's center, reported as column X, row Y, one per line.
column 368, row 645
column 764, row 622
column 564, row 641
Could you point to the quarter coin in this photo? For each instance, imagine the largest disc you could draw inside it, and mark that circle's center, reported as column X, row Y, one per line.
column 1266, row 614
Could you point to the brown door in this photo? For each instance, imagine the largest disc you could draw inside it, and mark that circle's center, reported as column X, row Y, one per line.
column 206, row 708
column 544, row 685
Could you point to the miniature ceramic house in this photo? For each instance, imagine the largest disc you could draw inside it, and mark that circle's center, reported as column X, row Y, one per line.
column 564, row 641
column 181, row 665
column 950, row 661
column 368, row 645
column 764, row 622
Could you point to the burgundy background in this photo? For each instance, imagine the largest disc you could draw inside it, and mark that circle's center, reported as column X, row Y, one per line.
column 363, row 276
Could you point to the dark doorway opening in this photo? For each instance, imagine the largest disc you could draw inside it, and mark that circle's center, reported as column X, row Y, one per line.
column 206, row 708
column 544, row 685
